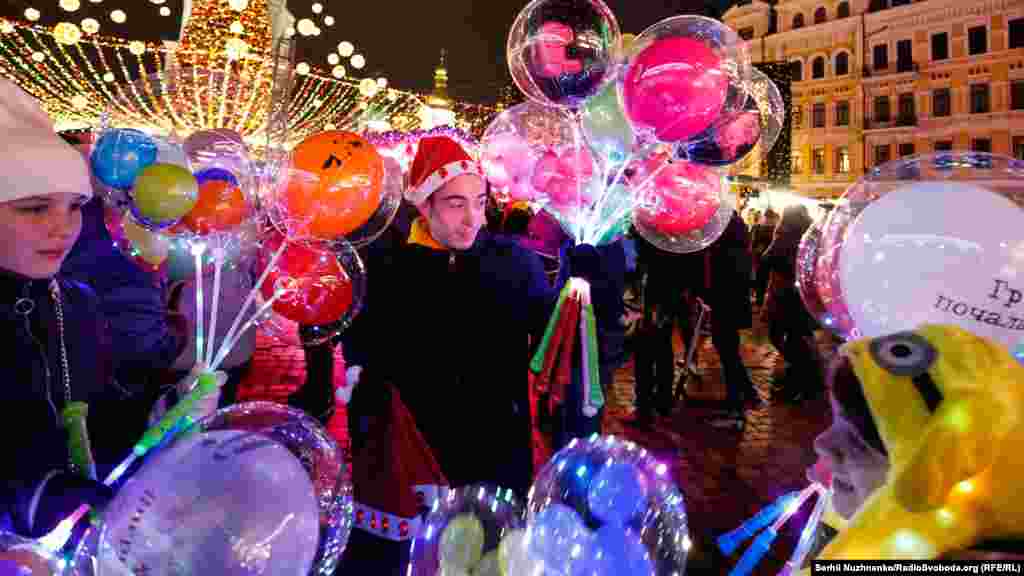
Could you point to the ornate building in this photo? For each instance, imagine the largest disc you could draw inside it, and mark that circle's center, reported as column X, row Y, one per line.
column 874, row 81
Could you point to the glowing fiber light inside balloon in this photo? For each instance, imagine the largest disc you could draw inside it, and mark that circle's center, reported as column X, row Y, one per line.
column 358, row 61
column 118, row 16
column 70, row 5
column 31, row 14
column 346, row 49
column 90, row 26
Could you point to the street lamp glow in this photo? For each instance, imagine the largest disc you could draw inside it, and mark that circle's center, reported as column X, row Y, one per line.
column 358, row 61
column 346, row 49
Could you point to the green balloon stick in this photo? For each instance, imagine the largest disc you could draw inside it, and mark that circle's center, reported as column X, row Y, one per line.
column 74, row 416
column 183, row 409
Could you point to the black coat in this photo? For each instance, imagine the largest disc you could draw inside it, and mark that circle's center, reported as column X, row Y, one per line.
column 449, row 330
column 33, row 393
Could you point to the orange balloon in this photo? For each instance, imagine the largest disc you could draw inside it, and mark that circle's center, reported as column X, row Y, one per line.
column 221, row 207
column 333, row 185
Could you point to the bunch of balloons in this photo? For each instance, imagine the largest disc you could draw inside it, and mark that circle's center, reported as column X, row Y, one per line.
column 897, row 251
column 600, row 507
column 624, row 129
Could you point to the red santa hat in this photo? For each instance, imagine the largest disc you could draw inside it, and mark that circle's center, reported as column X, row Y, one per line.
column 439, row 160
column 394, row 475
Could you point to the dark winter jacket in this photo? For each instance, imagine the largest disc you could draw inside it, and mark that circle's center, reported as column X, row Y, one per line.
column 130, row 299
column 34, row 391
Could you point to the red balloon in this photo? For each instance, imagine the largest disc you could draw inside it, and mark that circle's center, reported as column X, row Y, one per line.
column 678, row 198
column 321, row 289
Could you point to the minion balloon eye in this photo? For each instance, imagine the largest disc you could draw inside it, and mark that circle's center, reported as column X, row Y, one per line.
column 903, row 354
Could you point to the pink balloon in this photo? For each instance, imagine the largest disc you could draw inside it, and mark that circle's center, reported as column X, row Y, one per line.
column 508, row 161
column 682, row 197
column 744, row 130
column 550, row 54
column 546, row 170
column 521, row 191
column 675, row 87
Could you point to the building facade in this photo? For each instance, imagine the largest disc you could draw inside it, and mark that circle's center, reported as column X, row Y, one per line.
column 873, row 81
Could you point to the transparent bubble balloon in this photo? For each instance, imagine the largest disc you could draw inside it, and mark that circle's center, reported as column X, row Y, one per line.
column 937, row 238
column 615, row 504
column 257, row 488
column 149, row 173
column 239, row 248
column 563, row 52
column 224, row 171
column 392, row 190
column 462, row 533
column 148, row 249
column 681, row 206
column 20, row 556
column 331, row 187
column 733, row 137
column 806, row 273
column 319, row 286
column 685, row 74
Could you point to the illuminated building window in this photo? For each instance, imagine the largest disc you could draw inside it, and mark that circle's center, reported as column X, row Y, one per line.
column 797, row 164
column 977, row 40
column 906, row 149
column 1018, row 147
column 843, row 10
column 1017, row 95
column 843, row 113
column 981, row 145
column 1017, row 33
column 818, row 161
column 941, row 102
column 940, row 46
column 820, row 15
column 798, row 21
column 943, row 145
column 842, row 160
column 882, row 154
column 881, row 109
column 818, row 67
column 842, row 64
column 796, row 70
column 979, row 99
column 818, row 115
column 880, row 57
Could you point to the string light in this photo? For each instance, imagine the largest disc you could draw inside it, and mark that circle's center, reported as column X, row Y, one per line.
column 67, row 33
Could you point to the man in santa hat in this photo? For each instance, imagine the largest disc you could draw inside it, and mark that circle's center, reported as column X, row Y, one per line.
column 438, row 388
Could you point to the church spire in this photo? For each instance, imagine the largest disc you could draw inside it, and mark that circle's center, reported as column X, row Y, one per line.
column 439, row 98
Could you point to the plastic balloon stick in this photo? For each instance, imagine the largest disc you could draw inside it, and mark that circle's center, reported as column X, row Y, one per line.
column 729, row 542
column 74, row 416
column 803, row 546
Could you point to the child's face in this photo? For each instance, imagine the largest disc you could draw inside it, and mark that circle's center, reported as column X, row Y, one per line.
column 38, row 232
column 857, row 468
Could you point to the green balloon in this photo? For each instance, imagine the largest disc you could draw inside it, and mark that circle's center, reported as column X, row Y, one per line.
column 165, row 192
column 608, row 131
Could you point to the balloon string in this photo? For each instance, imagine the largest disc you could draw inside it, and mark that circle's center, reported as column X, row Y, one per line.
column 224, row 348
column 218, row 263
column 628, row 207
column 197, row 253
column 577, row 148
column 595, row 221
column 236, row 338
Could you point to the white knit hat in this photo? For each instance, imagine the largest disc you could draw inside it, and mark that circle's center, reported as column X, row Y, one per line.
column 34, row 160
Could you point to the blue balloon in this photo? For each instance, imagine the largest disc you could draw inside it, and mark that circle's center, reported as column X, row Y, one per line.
column 616, row 551
column 216, row 174
column 119, row 156
column 558, row 536
column 616, row 494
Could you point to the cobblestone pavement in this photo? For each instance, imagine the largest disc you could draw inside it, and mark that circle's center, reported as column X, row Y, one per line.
column 725, row 475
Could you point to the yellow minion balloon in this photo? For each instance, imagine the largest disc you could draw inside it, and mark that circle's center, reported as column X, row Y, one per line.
column 949, row 407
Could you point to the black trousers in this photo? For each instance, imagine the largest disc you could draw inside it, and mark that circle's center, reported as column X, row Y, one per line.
column 726, row 339
column 792, row 336
column 654, row 371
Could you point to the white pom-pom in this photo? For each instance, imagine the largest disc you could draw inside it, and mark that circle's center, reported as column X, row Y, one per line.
column 344, row 394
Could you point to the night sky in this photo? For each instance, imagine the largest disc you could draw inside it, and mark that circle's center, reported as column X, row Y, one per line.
column 401, row 39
